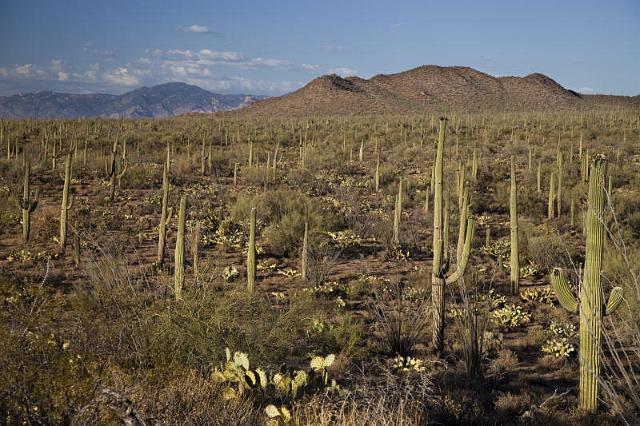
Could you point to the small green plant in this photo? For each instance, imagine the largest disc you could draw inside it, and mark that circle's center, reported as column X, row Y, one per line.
column 510, row 316
column 543, row 295
column 408, row 364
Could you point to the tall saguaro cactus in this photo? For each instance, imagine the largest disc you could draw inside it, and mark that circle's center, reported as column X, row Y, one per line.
column 67, row 202
column 552, row 196
column 304, row 258
column 513, row 215
column 114, row 171
column 590, row 301
column 27, row 205
column 397, row 215
column 251, row 254
column 440, row 268
column 179, row 256
column 165, row 215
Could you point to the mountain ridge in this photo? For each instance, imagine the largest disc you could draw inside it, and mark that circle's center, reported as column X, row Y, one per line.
column 428, row 87
column 160, row 101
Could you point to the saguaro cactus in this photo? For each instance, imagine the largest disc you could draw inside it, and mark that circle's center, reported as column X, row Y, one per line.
column 251, row 254
column 165, row 215
column 179, row 257
column 67, row 202
column 112, row 170
column 552, row 196
column 26, row 204
column 304, row 258
column 513, row 215
column 440, row 268
column 559, row 193
column 377, row 176
column 590, row 302
column 397, row 215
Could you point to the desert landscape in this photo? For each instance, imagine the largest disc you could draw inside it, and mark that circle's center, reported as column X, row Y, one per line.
column 431, row 246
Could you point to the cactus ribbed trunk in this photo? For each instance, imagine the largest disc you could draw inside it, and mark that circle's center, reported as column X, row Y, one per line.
column 559, row 193
column 195, row 249
column 66, row 204
column 164, row 216
column 440, row 266
column 437, row 276
column 550, row 205
column 591, row 292
column 397, row 215
column 539, row 177
column 590, row 300
column 513, row 214
column 464, row 212
column 27, row 206
column 251, row 254
column 304, row 261
column 179, row 256
column 377, row 177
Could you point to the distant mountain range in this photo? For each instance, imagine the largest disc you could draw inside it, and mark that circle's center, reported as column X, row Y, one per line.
column 160, row 101
column 430, row 88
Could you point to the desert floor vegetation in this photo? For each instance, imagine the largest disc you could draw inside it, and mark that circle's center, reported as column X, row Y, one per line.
column 236, row 270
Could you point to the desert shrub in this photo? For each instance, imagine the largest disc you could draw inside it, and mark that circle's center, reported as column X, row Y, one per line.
column 402, row 323
column 548, row 250
column 142, row 176
column 284, row 214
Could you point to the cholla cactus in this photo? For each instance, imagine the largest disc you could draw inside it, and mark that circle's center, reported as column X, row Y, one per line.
column 440, row 261
column 251, row 254
column 179, row 257
column 67, row 202
column 589, row 302
column 27, row 205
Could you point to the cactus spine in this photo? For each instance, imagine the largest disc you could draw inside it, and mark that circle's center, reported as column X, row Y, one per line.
column 513, row 214
column 397, row 215
column 26, row 204
column 440, row 267
column 179, row 256
column 67, row 202
column 590, row 302
column 251, row 254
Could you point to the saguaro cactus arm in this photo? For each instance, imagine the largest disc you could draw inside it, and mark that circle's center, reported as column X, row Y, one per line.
column 464, row 259
column 563, row 291
column 615, row 299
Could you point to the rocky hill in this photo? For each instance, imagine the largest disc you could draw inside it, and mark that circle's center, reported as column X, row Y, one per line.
column 428, row 87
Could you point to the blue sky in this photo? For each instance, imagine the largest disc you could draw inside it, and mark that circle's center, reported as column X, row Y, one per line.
column 273, row 47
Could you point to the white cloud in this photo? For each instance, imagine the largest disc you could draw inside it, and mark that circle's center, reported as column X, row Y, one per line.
column 121, row 76
column 343, row 71
column 206, row 68
column 198, row 29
